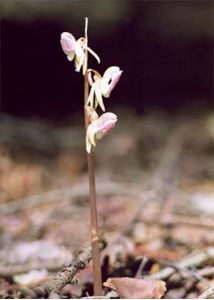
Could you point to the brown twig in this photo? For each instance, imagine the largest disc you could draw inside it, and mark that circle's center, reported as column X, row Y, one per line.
column 92, row 192
column 193, row 260
column 11, row 270
column 175, row 219
column 208, row 294
column 207, row 272
column 65, row 194
column 65, row 276
column 186, row 273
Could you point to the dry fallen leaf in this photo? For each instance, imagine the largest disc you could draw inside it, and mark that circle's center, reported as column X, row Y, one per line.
column 132, row 288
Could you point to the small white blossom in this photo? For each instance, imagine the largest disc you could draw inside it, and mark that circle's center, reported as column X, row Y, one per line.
column 98, row 128
column 75, row 49
column 102, row 86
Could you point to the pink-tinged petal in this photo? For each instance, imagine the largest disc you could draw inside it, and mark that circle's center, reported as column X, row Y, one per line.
column 108, row 116
column 107, row 127
column 114, row 81
column 105, row 123
column 68, row 42
column 110, row 72
column 98, row 128
column 109, row 80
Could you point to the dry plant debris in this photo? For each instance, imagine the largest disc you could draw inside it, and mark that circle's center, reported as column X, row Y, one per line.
column 132, row 288
column 156, row 206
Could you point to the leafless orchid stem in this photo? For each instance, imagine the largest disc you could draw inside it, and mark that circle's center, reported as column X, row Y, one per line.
column 96, row 126
column 92, row 192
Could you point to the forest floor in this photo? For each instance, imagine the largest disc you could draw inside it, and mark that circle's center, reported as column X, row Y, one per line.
column 155, row 193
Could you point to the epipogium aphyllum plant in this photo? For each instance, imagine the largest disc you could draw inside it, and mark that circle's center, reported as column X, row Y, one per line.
column 96, row 87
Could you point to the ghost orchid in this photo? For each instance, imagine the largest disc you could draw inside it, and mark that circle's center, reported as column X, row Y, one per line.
column 95, row 88
column 75, row 49
column 102, row 86
column 98, row 128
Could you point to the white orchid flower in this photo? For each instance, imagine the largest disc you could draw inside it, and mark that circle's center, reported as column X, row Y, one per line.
column 102, row 86
column 98, row 128
column 75, row 49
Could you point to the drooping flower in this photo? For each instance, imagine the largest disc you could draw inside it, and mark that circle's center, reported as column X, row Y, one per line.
column 98, row 128
column 75, row 49
column 102, row 86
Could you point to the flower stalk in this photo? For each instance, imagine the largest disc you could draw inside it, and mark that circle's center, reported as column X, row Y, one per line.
column 96, row 87
column 92, row 191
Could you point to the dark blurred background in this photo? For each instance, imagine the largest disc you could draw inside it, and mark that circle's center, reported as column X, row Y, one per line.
column 164, row 47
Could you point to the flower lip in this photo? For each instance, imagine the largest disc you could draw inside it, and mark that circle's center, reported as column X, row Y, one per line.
column 105, row 123
column 109, row 80
column 110, row 72
column 108, row 116
column 108, row 126
column 98, row 128
column 68, row 42
column 114, row 80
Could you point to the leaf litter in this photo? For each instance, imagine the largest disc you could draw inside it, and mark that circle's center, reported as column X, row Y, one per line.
column 153, row 195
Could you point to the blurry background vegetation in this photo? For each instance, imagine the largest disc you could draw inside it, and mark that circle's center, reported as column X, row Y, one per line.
column 164, row 47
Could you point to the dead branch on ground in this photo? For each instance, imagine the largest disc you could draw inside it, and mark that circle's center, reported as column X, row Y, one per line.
column 9, row 271
column 208, row 294
column 80, row 190
column 65, row 276
column 193, row 260
column 174, row 219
